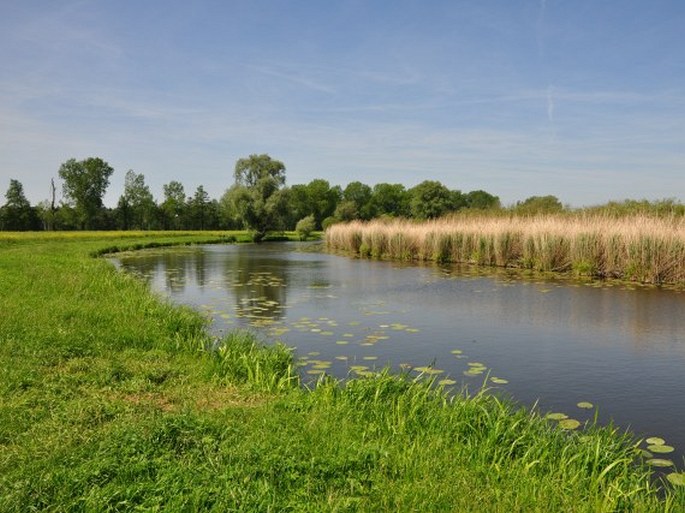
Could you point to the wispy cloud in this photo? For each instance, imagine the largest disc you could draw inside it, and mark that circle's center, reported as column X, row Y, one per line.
column 294, row 78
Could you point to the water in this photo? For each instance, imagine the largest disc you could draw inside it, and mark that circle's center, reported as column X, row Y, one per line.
column 556, row 342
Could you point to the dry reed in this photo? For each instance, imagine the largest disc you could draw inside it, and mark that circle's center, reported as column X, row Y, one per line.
column 645, row 249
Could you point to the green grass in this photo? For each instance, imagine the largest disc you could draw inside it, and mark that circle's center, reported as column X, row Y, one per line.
column 110, row 400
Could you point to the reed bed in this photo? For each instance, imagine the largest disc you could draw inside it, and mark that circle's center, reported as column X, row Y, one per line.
column 640, row 248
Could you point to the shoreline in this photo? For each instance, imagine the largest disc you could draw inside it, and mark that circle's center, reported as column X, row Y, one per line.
column 104, row 403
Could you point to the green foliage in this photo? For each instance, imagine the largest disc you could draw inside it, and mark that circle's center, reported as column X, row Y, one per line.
column 257, row 197
column 390, row 200
column 136, row 208
column 85, row 183
column 113, row 400
column 481, row 200
column 16, row 214
column 305, row 227
column 174, row 207
column 539, row 205
column 430, row 199
column 359, row 195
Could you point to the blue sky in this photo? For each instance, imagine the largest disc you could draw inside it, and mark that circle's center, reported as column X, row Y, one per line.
column 583, row 99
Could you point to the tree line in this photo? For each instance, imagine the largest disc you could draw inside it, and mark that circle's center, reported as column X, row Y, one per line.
column 258, row 200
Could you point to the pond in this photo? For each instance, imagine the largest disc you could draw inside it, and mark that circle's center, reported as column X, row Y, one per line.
column 554, row 342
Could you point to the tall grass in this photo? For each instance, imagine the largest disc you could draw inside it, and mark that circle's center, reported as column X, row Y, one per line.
column 640, row 248
column 114, row 400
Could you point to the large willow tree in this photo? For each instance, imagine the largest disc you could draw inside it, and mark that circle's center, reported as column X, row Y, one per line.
column 258, row 195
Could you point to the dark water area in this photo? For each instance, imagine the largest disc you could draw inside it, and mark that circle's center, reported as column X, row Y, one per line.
column 553, row 342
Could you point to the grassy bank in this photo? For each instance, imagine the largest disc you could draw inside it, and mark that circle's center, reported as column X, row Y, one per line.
column 110, row 401
column 636, row 248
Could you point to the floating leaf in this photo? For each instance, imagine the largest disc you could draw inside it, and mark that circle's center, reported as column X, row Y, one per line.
column 341, row 357
column 370, row 358
column 658, row 462
column 475, row 364
column 499, row 381
column 341, row 342
column 556, row 416
column 585, row 405
column 676, row 478
column 446, row 382
column 645, row 454
column 660, row 449
column 456, row 351
column 569, row 424
column 655, row 440
column 316, row 371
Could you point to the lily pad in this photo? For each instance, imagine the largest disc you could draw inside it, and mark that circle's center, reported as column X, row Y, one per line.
column 655, row 440
column 456, row 351
column 676, row 478
column 556, row 416
column 446, row 382
column 658, row 462
column 569, row 424
column 660, row 449
column 585, row 405
column 316, row 371
column 499, row 381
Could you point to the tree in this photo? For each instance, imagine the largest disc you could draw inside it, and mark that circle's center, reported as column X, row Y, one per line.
column 258, row 194
column 322, row 199
column 199, row 207
column 260, row 171
column 136, row 206
column 16, row 214
column 389, row 200
column 481, row 200
column 85, row 183
column 430, row 199
column 360, row 195
column 305, row 227
column 346, row 211
column 174, row 206
column 539, row 205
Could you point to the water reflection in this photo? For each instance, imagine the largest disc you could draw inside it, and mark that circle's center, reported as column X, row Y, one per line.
column 552, row 341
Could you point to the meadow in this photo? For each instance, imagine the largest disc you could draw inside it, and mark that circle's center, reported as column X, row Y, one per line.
column 640, row 248
column 113, row 399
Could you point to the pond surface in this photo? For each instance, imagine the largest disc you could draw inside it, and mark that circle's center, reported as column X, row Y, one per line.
column 554, row 342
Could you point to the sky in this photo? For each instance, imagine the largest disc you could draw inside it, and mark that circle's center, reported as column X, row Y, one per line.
column 581, row 99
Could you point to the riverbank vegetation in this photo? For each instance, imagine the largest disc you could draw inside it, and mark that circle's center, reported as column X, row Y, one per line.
column 641, row 248
column 113, row 399
column 259, row 200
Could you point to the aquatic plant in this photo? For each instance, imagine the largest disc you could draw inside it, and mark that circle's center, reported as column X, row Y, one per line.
column 639, row 248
